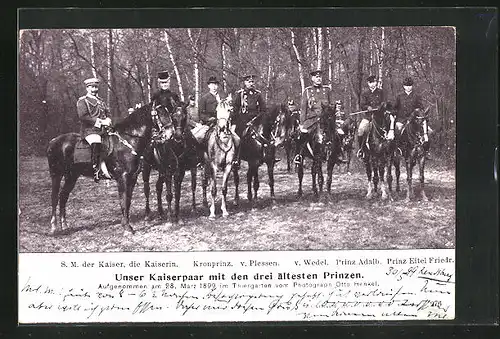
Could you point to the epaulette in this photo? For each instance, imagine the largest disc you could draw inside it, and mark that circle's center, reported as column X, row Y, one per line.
column 82, row 97
column 256, row 90
column 326, row 86
column 308, row 87
column 240, row 90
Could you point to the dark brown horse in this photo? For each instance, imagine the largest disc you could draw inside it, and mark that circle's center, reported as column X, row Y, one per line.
column 122, row 151
column 292, row 130
column 257, row 149
column 171, row 153
column 320, row 144
column 379, row 151
column 413, row 148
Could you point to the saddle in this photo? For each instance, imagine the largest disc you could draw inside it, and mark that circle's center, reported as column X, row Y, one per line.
column 83, row 152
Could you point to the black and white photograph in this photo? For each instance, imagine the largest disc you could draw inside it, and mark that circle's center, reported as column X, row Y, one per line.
column 237, row 139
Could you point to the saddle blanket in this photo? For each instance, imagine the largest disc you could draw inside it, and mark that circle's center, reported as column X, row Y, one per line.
column 82, row 152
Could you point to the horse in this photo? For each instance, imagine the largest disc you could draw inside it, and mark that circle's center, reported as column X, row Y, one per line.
column 413, row 148
column 220, row 154
column 322, row 145
column 292, row 122
column 171, row 153
column 378, row 150
column 347, row 141
column 123, row 147
column 256, row 150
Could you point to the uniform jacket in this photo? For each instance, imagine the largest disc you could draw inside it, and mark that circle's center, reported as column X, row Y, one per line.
column 207, row 106
column 162, row 97
column 89, row 109
column 248, row 103
column 406, row 104
column 312, row 99
column 373, row 99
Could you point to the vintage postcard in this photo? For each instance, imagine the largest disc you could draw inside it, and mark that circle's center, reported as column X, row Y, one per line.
column 237, row 174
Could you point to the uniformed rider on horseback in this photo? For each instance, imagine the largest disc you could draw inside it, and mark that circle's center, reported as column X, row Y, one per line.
column 94, row 117
column 313, row 100
column 250, row 110
column 409, row 103
column 166, row 99
column 372, row 100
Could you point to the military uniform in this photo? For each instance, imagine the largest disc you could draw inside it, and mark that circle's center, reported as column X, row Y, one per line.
column 163, row 97
column 248, row 103
column 311, row 105
column 90, row 109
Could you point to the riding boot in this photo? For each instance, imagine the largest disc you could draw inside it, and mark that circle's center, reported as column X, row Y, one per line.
column 95, row 157
column 341, row 154
column 298, row 151
column 360, row 154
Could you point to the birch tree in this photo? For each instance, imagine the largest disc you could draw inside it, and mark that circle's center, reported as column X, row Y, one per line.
column 194, row 39
column 174, row 64
column 320, row 47
column 299, row 59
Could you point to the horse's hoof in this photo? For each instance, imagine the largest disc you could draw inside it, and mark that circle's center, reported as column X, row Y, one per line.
column 128, row 231
column 424, row 198
column 225, row 215
column 407, row 200
column 369, row 196
column 211, row 217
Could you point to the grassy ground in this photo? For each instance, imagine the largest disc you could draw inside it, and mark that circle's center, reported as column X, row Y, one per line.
column 342, row 220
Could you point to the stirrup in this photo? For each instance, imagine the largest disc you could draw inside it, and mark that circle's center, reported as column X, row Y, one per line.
column 360, row 154
column 96, row 174
column 298, row 159
column 277, row 160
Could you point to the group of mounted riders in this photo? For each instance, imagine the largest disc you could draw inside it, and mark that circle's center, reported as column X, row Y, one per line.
column 249, row 108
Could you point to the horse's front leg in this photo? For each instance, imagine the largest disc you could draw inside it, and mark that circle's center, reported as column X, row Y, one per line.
column 169, row 194
column 69, row 184
column 409, row 170
column 288, row 151
column 249, row 181
column 314, row 169
column 236, row 177
column 421, row 166
column 204, row 182
column 383, row 166
column 319, row 168
column 300, row 174
column 225, row 179
column 256, row 183
column 124, row 192
column 194, row 172
column 213, row 190
column 178, row 177
column 329, row 174
column 56, row 185
column 397, row 171
column 159, row 192
column 270, row 173
column 368, row 168
column 146, row 172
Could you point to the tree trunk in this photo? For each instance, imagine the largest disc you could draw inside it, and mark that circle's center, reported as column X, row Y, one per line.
column 224, row 65
column 174, row 64
column 330, row 56
column 299, row 59
column 269, row 65
column 194, row 45
column 92, row 56
column 381, row 58
column 320, row 48
column 110, row 65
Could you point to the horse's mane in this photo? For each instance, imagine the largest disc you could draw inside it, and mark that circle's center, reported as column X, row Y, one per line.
column 134, row 119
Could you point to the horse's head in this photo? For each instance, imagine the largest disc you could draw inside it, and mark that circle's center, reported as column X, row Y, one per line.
column 179, row 121
column 327, row 122
column 279, row 125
